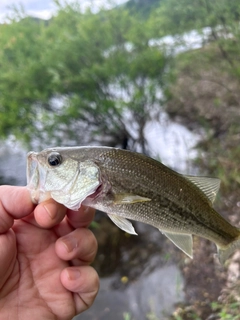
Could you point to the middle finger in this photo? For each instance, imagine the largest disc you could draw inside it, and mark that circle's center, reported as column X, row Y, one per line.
column 79, row 244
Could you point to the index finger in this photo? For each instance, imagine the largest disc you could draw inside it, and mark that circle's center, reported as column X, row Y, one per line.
column 15, row 203
column 74, row 220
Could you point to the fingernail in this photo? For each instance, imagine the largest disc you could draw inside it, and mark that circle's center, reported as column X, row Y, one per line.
column 51, row 211
column 70, row 243
column 73, row 274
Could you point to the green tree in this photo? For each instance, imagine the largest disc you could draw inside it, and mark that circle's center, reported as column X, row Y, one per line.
column 176, row 17
column 203, row 94
column 142, row 7
column 215, row 21
column 204, row 89
column 22, row 76
column 82, row 78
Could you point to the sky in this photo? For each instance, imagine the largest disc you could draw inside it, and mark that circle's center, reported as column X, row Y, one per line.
column 43, row 8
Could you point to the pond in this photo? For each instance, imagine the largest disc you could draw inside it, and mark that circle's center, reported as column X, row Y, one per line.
column 138, row 276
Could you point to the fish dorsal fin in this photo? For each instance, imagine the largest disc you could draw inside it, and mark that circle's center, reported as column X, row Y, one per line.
column 209, row 186
column 122, row 223
column 182, row 241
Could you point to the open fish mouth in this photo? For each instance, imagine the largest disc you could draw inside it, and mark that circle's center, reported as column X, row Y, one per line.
column 32, row 175
column 35, row 177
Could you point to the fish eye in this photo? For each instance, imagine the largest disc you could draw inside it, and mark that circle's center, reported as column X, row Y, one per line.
column 54, row 159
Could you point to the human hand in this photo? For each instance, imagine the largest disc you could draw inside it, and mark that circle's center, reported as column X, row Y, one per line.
column 45, row 252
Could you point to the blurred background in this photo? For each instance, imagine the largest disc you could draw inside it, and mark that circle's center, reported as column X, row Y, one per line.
column 160, row 77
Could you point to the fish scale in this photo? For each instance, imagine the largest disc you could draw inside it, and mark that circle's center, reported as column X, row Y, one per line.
column 182, row 199
column 129, row 185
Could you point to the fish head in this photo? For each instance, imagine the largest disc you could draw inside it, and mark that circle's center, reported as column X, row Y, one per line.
column 54, row 173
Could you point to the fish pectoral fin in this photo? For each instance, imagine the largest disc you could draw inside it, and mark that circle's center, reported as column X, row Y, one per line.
column 128, row 198
column 182, row 241
column 123, row 223
column 209, row 186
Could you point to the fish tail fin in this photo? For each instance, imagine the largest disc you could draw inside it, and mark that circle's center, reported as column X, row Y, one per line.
column 225, row 253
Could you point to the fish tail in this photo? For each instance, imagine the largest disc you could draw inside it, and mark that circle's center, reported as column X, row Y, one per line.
column 225, row 253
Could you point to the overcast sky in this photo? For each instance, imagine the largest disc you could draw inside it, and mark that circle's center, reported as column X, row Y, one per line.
column 42, row 8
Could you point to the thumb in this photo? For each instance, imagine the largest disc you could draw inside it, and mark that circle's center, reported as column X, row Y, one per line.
column 15, row 203
column 7, row 254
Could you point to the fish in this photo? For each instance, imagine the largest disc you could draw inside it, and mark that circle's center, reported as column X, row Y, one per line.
column 130, row 185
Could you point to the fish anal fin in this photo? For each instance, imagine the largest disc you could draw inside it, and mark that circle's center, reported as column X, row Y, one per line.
column 182, row 241
column 128, row 198
column 123, row 223
column 209, row 186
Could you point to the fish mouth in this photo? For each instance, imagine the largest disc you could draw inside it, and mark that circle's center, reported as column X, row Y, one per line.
column 96, row 193
column 92, row 198
column 35, row 177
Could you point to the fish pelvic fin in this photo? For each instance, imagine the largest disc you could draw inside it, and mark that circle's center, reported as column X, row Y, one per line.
column 225, row 253
column 122, row 223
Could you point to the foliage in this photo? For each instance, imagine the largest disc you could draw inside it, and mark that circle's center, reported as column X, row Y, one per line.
column 219, row 310
column 81, row 78
column 176, row 17
column 142, row 7
column 203, row 94
column 204, row 89
column 227, row 311
column 206, row 99
column 22, row 76
column 185, row 313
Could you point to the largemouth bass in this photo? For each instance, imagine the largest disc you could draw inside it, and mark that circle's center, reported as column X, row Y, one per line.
column 129, row 185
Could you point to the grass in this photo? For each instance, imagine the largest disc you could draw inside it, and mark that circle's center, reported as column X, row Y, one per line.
column 228, row 311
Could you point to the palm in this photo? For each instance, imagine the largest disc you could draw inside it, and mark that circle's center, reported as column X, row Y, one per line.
column 32, row 284
column 37, row 271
